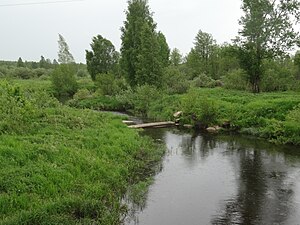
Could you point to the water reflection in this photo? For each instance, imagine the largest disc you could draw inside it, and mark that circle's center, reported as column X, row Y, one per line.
column 210, row 179
column 264, row 196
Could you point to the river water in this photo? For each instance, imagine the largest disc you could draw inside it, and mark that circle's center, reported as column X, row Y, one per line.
column 222, row 179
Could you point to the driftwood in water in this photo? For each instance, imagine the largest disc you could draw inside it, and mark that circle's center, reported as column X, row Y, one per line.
column 157, row 124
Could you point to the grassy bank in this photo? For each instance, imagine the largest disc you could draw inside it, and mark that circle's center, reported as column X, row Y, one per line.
column 61, row 165
column 273, row 116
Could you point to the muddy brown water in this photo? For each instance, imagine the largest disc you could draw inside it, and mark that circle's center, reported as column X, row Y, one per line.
column 221, row 179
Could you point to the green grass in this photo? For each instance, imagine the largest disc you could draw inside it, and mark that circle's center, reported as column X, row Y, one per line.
column 274, row 116
column 69, row 166
column 266, row 115
column 108, row 103
column 32, row 84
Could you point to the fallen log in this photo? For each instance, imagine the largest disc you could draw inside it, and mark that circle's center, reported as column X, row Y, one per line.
column 149, row 125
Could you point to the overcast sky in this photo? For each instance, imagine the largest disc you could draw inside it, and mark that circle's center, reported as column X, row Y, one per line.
column 29, row 31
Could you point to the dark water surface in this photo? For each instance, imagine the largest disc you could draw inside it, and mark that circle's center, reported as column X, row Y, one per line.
column 215, row 179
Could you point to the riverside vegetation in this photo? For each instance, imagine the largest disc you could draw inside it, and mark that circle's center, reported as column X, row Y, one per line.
column 65, row 166
column 62, row 162
column 274, row 116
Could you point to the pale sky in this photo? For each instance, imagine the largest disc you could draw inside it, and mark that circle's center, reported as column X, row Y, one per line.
column 29, row 31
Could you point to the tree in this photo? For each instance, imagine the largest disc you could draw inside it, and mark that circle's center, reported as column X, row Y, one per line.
column 164, row 51
column 227, row 59
column 34, row 65
column 267, row 32
column 103, row 57
column 55, row 63
column 175, row 57
column 204, row 47
column 43, row 62
column 148, row 65
column 140, row 51
column 20, row 62
column 201, row 58
column 64, row 55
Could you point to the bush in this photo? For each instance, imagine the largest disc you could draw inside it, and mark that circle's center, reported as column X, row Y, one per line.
column 126, row 96
column 107, row 84
column 23, row 73
column 64, row 82
column 3, row 71
column 204, row 81
column 82, row 73
column 199, row 109
column 108, row 103
column 41, row 72
column 45, row 77
column 164, row 107
column 235, row 79
column 143, row 97
column 274, row 80
column 82, row 94
column 175, row 81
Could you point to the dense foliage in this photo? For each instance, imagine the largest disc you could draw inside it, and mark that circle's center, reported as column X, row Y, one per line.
column 267, row 31
column 144, row 52
column 103, row 57
column 64, row 82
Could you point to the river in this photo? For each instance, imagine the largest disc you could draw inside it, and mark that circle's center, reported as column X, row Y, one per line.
column 221, row 179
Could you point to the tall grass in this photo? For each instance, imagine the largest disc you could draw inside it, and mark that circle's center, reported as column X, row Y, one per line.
column 67, row 166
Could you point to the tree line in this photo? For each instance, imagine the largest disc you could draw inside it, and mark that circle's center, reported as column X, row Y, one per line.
column 261, row 49
column 257, row 60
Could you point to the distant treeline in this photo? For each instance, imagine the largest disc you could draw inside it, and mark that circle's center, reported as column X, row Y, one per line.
column 31, row 69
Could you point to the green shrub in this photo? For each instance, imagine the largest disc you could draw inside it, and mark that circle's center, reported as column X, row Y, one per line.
column 175, row 81
column 143, row 97
column 109, row 103
column 235, row 79
column 204, row 81
column 3, row 71
column 273, row 130
column 41, row 72
column 64, row 83
column 108, row 84
column 199, row 108
column 164, row 107
column 23, row 73
column 82, row 73
column 274, row 80
column 82, row 94
column 126, row 97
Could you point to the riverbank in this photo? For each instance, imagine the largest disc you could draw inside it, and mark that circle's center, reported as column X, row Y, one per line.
column 61, row 165
column 272, row 116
